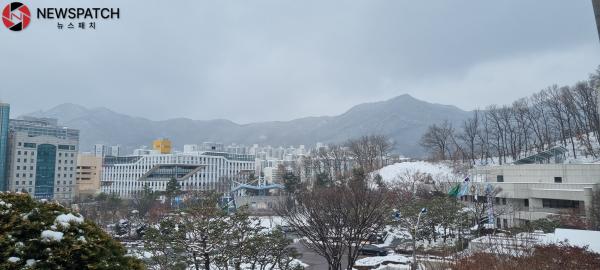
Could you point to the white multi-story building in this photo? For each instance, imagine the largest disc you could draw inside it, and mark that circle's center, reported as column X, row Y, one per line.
column 529, row 192
column 189, row 148
column 203, row 171
column 42, row 159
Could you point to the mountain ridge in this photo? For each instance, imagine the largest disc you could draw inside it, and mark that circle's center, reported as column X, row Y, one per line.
column 403, row 118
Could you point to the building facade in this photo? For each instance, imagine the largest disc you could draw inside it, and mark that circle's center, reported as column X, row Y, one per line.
column 89, row 171
column 100, row 150
column 4, row 118
column 534, row 191
column 42, row 158
column 201, row 171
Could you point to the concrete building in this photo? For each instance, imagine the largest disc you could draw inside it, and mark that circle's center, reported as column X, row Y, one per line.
column 203, row 170
column 116, row 150
column 534, row 191
column 42, row 158
column 89, row 170
column 101, row 150
column 273, row 174
column 212, row 146
column 4, row 119
column 190, row 148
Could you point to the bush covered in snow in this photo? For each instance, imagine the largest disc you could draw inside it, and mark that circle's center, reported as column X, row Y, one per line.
column 40, row 235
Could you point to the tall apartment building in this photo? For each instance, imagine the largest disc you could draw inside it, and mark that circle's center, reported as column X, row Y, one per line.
column 4, row 118
column 115, row 151
column 202, row 170
column 101, row 150
column 42, row 158
column 89, row 170
column 535, row 191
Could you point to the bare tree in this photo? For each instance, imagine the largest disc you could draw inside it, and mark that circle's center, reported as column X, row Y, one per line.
column 336, row 220
column 437, row 140
column 566, row 116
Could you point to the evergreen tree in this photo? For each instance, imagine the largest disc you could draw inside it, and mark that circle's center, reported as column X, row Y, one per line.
column 161, row 241
column 172, row 190
column 40, row 235
column 291, row 182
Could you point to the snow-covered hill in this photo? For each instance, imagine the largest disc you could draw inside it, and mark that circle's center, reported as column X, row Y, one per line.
column 400, row 172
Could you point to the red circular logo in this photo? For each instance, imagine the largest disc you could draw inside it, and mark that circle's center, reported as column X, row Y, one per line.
column 16, row 16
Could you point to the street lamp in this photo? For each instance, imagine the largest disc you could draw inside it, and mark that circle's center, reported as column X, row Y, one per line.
column 423, row 211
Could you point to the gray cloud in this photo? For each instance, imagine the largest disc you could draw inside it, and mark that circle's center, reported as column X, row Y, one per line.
column 276, row 60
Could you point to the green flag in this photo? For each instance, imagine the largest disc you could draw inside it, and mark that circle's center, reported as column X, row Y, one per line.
column 454, row 191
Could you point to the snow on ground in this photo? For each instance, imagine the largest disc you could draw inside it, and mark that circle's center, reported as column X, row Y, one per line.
column 398, row 171
column 64, row 219
column 393, row 234
column 574, row 237
column 378, row 260
column 52, row 235
column 270, row 222
column 13, row 259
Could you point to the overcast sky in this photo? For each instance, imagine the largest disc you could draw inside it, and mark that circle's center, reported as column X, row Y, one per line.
column 278, row 60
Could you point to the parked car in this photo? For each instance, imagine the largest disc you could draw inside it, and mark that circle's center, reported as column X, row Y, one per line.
column 287, row 229
column 372, row 250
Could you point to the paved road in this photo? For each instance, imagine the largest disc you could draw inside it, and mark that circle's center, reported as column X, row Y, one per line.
column 314, row 261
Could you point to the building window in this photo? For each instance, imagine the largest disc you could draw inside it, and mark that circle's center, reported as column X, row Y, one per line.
column 558, row 179
column 500, row 178
column 504, row 201
column 29, row 145
column 526, row 202
column 552, row 203
column 45, row 166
